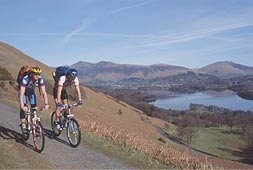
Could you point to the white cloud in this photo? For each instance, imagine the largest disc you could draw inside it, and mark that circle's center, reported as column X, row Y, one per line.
column 129, row 7
column 75, row 32
column 187, row 36
column 82, row 27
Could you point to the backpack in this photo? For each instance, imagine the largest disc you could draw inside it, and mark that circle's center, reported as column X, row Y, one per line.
column 60, row 71
column 25, row 70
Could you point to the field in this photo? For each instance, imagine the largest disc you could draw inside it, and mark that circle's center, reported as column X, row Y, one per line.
column 220, row 142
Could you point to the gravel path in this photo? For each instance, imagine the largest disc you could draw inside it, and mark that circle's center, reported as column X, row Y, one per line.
column 57, row 151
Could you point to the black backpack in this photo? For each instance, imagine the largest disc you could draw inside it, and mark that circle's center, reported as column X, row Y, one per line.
column 60, row 71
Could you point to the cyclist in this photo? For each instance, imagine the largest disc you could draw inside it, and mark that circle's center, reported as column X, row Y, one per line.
column 64, row 77
column 27, row 84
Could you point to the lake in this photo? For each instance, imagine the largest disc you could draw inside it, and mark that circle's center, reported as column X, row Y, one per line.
column 226, row 99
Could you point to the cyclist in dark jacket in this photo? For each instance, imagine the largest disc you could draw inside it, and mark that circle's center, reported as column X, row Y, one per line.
column 26, row 92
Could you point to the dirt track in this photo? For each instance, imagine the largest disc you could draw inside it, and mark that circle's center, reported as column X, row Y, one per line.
column 57, row 151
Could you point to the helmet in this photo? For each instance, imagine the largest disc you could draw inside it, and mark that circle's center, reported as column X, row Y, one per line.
column 35, row 70
column 72, row 73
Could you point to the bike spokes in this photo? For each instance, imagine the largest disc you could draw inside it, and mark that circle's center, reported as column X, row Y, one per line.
column 38, row 137
column 73, row 133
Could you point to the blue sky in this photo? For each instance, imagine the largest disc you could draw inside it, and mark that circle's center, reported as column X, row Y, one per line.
column 190, row 33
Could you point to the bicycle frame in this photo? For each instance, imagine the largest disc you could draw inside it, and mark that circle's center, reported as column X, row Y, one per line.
column 35, row 127
column 68, row 109
column 32, row 118
column 69, row 121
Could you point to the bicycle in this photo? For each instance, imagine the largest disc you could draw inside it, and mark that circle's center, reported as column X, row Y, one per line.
column 67, row 121
column 35, row 128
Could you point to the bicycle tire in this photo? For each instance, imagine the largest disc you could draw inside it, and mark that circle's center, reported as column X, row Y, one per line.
column 38, row 137
column 55, row 131
column 73, row 128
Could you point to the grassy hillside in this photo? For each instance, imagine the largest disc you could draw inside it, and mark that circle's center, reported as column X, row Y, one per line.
column 220, row 142
column 109, row 118
column 97, row 106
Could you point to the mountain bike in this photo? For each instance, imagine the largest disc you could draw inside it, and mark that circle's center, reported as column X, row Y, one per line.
column 35, row 128
column 67, row 121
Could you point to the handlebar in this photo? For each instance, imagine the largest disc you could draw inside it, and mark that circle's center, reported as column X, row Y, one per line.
column 69, row 106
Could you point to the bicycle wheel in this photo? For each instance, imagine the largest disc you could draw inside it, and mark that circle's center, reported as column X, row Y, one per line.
column 73, row 132
column 38, row 137
column 56, row 131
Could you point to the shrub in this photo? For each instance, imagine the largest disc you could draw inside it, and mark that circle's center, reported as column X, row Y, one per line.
column 119, row 112
column 4, row 74
column 2, row 85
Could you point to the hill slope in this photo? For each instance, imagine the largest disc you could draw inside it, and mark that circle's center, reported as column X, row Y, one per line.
column 97, row 106
column 13, row 59
column 227, row 69
column 108, row 74
column 108, row 71
column 108, row 115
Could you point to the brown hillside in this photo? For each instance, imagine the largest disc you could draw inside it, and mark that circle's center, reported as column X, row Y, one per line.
column 12, row 59
column 108, row 71
column 116, row 120
column 227, row 69
column 97, row 106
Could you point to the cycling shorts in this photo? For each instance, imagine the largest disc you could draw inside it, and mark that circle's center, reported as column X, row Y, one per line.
column 64, row 94
column 29, row 97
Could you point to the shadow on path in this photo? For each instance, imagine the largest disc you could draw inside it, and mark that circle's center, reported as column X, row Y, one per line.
column 51, row 135
column 8, row 134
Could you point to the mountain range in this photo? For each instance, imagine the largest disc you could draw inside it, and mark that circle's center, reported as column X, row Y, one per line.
column 111, row 73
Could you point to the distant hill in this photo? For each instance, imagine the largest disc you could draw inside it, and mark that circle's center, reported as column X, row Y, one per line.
column 109, row 71
column 227, row 69
column 112, row 74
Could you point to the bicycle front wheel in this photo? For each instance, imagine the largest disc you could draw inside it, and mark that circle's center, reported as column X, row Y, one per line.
column 38, row 137
column 73, row 132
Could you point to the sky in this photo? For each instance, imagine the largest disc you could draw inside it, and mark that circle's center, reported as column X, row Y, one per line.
column 189, row 33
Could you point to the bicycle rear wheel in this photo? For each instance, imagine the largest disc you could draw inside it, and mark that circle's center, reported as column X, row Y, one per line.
column 56, row 131
column 38, row 137
column 73, row 132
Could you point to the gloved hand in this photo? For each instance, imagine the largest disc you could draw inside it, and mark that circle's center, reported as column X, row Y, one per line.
column 24, row 108
column 60, row 106
column 79, row 103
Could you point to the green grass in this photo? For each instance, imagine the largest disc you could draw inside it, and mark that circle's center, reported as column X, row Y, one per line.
column 220, row 142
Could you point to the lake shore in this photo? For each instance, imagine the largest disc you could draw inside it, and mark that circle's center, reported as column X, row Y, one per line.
column 227, row 99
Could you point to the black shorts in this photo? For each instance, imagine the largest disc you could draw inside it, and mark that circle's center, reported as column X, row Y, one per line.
column 64, row 94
